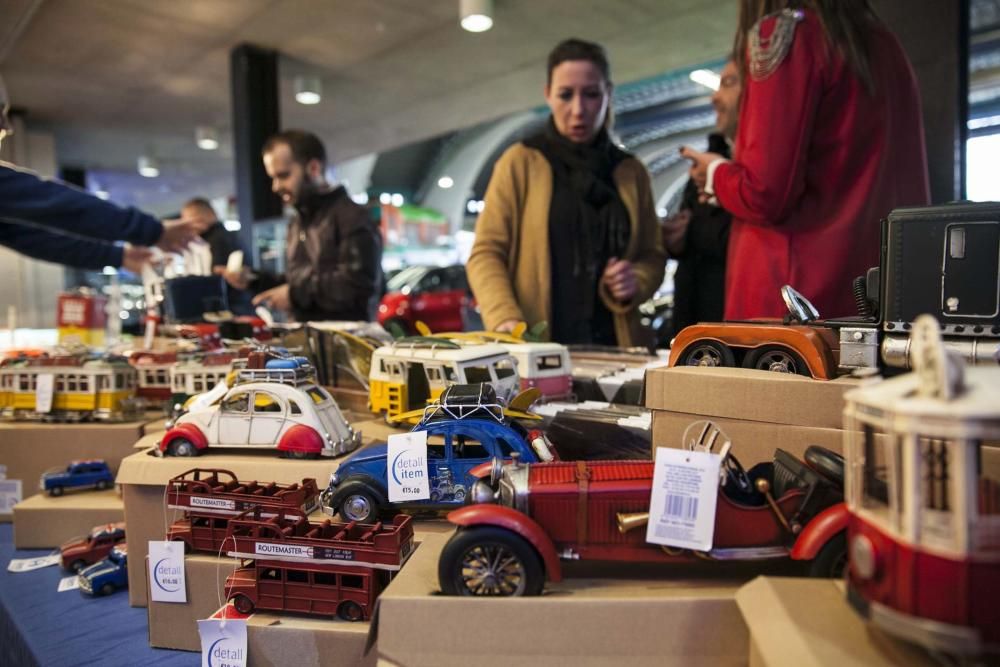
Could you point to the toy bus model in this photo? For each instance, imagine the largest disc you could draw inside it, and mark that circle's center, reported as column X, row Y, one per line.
column 81, row 389
column 406, row 374
column 196, row 375
column 321, row 568
column 923, row 493
column 210, row 497
column 153, row 374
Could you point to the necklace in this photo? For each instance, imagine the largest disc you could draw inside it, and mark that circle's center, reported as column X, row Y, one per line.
column 767, row 54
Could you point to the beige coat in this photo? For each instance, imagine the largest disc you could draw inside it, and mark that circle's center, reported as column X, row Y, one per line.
column 510, row 270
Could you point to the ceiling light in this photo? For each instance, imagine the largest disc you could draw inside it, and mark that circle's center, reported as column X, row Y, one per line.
column 148, row 167
column 232, row 225
column 206, row 137
column 445, row 182
column 706, row 77
column 308, row 89
column 396, row 200
column 477, row 15
column 385, row 199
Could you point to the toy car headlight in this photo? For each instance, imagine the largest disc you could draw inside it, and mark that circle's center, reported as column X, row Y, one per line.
column 334, row 479
column 483, row 493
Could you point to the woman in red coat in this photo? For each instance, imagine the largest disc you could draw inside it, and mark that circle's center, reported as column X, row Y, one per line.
column 830, row 141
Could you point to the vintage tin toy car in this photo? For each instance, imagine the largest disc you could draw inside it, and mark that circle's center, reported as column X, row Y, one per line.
column 108, row 575
column 78, row 474
column 78, row 553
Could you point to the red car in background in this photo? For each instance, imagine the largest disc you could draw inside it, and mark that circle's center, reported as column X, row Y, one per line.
column 429, row 294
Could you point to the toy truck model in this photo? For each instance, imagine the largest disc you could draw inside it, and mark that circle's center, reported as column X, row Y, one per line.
column 78, row 553
column 78, row 474
column 107, row 576
column 942, row 260
column 209, row 498
column 321, row 568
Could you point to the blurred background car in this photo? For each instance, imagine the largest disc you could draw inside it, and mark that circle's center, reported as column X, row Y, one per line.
column 429, row 294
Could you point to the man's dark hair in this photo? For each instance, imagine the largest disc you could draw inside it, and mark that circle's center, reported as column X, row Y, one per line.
column 305, row 146
column 578, row 49
column 201, row 203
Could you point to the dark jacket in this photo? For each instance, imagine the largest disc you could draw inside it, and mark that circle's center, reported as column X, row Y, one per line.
column 60, row 223
column 700, row 279
column 333, row 260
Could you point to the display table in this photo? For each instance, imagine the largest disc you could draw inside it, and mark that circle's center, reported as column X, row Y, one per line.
column 40, row 626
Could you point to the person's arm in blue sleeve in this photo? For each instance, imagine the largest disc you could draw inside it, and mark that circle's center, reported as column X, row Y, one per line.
column 59, row 248
column 24, row 197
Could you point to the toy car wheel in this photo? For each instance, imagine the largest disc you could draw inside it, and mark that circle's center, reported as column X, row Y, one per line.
column 77, row 565
column 107, row 589
column 831, row 561
column 435, row 496
column 459, row 495
column 103, row 484
column 56, row 491
column 489, row 561
column 777, row 359
column 350, row 611
column 243, row 604
column 707, row 353
column 359, row 506
column 297, row 454
column 182, row 447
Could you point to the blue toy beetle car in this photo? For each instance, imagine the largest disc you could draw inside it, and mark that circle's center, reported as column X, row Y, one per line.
column 108, row 575
column 95, row 473
column 465, row 430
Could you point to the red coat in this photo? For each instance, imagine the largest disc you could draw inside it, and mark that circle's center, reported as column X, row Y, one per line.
column 818, row 163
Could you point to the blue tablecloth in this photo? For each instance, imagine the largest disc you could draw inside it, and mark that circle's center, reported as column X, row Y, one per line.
column 40, row 626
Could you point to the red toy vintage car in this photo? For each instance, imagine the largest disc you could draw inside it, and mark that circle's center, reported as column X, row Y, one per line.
column 432, row 295
column 78, row 553
column 528, row 517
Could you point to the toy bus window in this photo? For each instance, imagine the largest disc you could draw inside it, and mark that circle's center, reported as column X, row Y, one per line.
column 265, row 403
column 875, row 482
column 199, row 522
column 956, row 243
column 935, row 474
column 469, row 448
column 294, row 408
column 449, row 374
column 352, row 581
column 548, row 362
column 324, row 579
column 270, row 574
column 477, row 374
column 435, row 446
column 504, row 368
column 296, row 577
column 238, row 403
column 433, row 374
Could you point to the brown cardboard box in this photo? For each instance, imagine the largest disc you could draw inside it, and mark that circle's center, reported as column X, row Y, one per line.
column 42, row 521
column 27, row 449
column 632, row 615
column 798, row 622
column 739, row 393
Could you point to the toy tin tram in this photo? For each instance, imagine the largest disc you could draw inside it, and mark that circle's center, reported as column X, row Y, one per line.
column 81, row 388
column 924, row 501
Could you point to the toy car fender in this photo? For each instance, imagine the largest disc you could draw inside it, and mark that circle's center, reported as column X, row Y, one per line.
column 187, row 431
column 301, row 438
column 819, row 531
column 516, row 522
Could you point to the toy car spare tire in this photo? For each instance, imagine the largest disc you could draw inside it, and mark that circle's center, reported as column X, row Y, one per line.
column 243, row 604
column 831, row 561
column 350, row 611
column 707, row 353
column 490, row 561
column 360, row 506
column 181, row 447
column 776, row 358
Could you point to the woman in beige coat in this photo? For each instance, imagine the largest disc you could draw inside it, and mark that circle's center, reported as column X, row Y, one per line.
column 569, row 235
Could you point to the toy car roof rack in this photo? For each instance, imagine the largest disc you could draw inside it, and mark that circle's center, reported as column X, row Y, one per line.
column 461, row 401
column 430, row 342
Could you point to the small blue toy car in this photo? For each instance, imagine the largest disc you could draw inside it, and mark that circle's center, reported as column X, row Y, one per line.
column 95, row 473
column 108, row 575
column 464, row 431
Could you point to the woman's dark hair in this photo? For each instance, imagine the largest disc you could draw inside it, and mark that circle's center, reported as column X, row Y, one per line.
column 847, row 25
column 305, row 146
column 578, row 49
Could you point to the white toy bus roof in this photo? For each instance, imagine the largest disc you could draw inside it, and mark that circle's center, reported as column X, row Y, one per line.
column 443, row 353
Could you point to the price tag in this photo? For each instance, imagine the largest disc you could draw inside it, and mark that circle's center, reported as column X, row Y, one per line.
column 29, row 564
column 43, row 392
column 10, row 495
column 166, row 571
column 223, row 643
column 407, row 469
column 69, row 584
column 682, row 505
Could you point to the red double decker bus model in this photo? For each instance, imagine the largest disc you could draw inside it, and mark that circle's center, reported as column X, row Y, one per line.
column 326, row 568
column 923, row 491
column 211, row 497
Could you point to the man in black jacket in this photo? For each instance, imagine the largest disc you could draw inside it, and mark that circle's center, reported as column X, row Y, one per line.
column 698, row 235
column 333, row 254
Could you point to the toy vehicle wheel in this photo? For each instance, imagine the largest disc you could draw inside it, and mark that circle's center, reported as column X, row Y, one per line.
column 107, row 589
column 831, row 561
column 56, row 491
column 350, row 611
column 298, row 454
column 182, row 447
column 777, row 359
column 77, row 565
column 489, row 561
column 435, row 496
column 459, row 495
column 103, row 484
column 243, row 604
column 707, row 353
column 359, row 506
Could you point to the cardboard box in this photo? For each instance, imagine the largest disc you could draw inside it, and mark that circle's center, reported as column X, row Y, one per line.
column 740, row 393
column 798, row 622
column 27, row 449
column 41, row 521
column 627, row 614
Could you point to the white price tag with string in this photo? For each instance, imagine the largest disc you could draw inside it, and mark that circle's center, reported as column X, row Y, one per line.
column 29, row 564
column 223, row 642
column 68, row 584
column 682, row 505
column 407, row 457
column 166, row 572
column 10, row 495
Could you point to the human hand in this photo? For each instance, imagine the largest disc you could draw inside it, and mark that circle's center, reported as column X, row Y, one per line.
column 276, row 298
column 675, row 231
column 507, row 326
column 619, row 278
column 133, row 257
column 177, row 234
column 237, row 279
column 699, row 165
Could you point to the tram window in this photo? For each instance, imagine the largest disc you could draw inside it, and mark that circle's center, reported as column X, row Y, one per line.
column 876, row 472
column 296, row 577
column 102, row 382
column 70, row 383
column 199, row 385
column 352, row 581
column 161, row 376
column 935, row 474
column 119, row 381
column 178, row 383
column 989, row 484
column 60, row 384
column 23, row 382
column 477, row 374
column 504, row 368
column 84, row 383
column 324, row 579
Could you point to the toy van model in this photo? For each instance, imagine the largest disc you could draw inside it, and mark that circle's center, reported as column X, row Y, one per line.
column 411, row 371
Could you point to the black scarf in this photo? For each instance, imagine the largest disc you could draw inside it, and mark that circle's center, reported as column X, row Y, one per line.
column 588, row 224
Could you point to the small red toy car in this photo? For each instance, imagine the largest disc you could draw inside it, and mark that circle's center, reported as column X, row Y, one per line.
column 78, row 553
column 432, row 295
